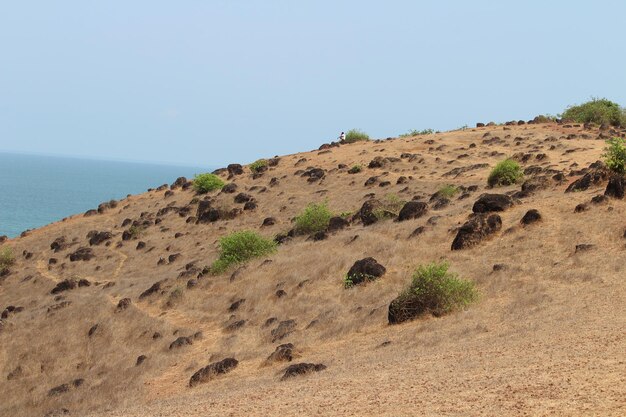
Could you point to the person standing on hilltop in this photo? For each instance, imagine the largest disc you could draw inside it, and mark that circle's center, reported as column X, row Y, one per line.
column 342, row 137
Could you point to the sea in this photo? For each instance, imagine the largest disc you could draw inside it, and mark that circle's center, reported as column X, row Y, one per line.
column 36, row 190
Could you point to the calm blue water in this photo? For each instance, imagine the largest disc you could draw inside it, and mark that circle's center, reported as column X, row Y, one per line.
column 36, row 190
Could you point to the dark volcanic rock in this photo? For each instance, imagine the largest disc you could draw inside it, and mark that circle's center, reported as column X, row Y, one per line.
column 412, row 210
column 366, row 269
column 283, row 329
column 492, row 202
column 156, row 287
column 234, row 169
column 96, row 238
column 212, row 370
column 123, row 304
column 242, row 198
column 366, row 213
column 180, row 342
column 531, row 216
column 82, row 254
column 476, row 229
column 229, row 188
column 65, row 285
column 283, row 353
column 597, row 173
column 302, row 369
column 337, row 223
column 615, row 187
column 59, row 244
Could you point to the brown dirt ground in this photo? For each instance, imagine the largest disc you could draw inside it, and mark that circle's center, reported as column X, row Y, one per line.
column 547, row 337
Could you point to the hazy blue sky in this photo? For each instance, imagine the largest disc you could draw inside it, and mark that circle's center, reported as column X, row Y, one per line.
column 211, row 82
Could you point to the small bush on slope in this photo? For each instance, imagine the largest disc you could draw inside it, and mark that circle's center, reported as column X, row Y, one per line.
column 434, row 290
column 6, row 259
column 615, row 155
column 313, row 219
column 203, row 183
column 448, row 191
column 596, row 111
column 356, row 135
column 239, row 247
column 390, row 208
column 258, row 165
column 416, row 132
column 506, row 172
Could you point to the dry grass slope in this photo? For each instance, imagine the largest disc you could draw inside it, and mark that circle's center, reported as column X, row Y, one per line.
column 546, row 336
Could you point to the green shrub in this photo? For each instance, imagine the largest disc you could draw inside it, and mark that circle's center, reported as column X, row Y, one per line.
column 135, row 231
column 448, row 191
column 313, row 219
column 6, row 259
column 239, row 247
column 355, row 169
column 390, row 207
column 356, row 135
column 544, row 118
column 615, row 155
column 506, row 172
column 258, row 165
column 416, row 132
column 434, row 290
column 596, row 111
column 203, row 183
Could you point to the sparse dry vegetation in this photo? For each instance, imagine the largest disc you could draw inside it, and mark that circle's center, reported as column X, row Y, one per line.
column 265, row 297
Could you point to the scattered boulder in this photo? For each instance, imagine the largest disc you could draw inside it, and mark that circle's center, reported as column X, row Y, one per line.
column 65, row 285
column 367, row 211
column 123, row 304
column 82, row 254
column 314, row 174
column 366, row 269
column 492, row 202
column 283, row 353
column 476, row 229
column 229, row 188
column 156, row 287
column 531, row 216
column 212, row 370
column 302, row 369
column 412, row 210
column 615, row 187
column 242, row 198
column 283, row 329
column 596, row 174
column 337, row 223
column 583, row 247
column 140, row 359
column 377, row 162
column 96, row 238
column 180, row 342
column 59, row 244
column 234, row 169
column 268, row 221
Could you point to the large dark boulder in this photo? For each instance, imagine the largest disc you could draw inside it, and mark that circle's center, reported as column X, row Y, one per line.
column 412, row 210
column 476, row 229
column 367, row 212
column 96, row 238
column 234, row 169
column 82, row 254
column 59, row 244
column 595, row 175
column 337, row 223
column 180, row 342
column 302, row 369
column 229, row 188
column 366, row 269
column 242, row 198
column 377, row 162
column 314, row 174
column 492, row 202
column 212, row 370
column 531, row 216
column 283, row 353
column 65, row 285
column 615, row 187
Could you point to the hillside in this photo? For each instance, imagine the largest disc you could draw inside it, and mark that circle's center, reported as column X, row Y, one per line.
column 81, row 335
